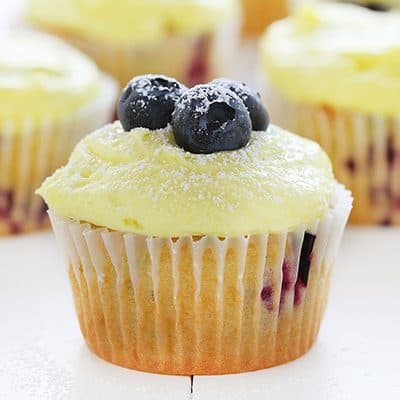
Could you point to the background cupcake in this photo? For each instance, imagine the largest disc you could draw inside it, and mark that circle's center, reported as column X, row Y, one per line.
column 258, row 14
column 51, row 95
column 188, row 39
column 376, row 5
column 334, row 76
column 201, row 247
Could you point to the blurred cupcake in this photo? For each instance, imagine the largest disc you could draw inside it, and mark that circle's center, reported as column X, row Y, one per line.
column 51, row 96
column 258, row 14
column 188, row 39
column 334, row 75
column 204, row 246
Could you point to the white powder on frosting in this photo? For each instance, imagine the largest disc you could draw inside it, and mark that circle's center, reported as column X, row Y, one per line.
column 203, row 96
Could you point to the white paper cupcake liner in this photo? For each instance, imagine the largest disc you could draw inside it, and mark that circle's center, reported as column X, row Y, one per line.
column 201, row 305
column 364, row 149
column 191, row 59
column 31, row 149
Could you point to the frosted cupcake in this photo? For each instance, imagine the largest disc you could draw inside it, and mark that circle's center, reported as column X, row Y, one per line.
column 50, row 97
column 200, row 239
column 258, row 14
column 334, row 75
column 188, row 39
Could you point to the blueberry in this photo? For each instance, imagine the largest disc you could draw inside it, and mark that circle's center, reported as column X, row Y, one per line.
column 148, row 102
column 211, row 118
column 251, row 99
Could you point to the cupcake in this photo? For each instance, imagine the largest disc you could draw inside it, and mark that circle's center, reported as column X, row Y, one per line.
column 51, row 96
column 188, row 39
column 200, row 239
column 258, row 14
column 334, row 76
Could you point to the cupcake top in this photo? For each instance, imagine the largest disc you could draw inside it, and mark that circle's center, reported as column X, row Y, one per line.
column 207, row 172
column 40, row 75
column 129, row 22
column 336, row 55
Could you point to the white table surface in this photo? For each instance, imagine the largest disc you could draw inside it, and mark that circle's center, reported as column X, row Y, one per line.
column 42, row 354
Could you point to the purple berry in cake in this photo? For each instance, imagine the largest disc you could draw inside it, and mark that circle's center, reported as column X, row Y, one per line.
column 198, row 69
column 305, row 258
column 267, row 297
column 304, row 266
column 288, row 280
column 6, row 202
column 351, row 165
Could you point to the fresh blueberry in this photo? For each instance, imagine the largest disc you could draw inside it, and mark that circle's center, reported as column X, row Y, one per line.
column 251, row 99
column 351, row 165
column 211, row 118
column 386, row 222
column 148, row 102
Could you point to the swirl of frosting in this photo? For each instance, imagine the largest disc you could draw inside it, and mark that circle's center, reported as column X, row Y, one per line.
column 337, row 55
column 141, row 181
column 129, row 22
column 41, row 75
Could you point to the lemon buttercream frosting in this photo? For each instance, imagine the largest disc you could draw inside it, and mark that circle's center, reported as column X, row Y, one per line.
column 337, row 55
column 141, row 181
column 128, row 22
column 40, row 75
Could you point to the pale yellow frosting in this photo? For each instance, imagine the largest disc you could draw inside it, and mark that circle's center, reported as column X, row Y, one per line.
column 131, row 21
column 42, row 76
column 141, row 181
column 337, row 55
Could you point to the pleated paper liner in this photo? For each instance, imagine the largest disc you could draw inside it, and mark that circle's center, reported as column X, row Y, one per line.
column 364, row 149
column 191, row 59
column 31, row 149
column 201, row 305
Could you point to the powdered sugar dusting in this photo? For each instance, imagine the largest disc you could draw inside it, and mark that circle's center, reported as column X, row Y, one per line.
column 145, row 87
column 203, row 97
